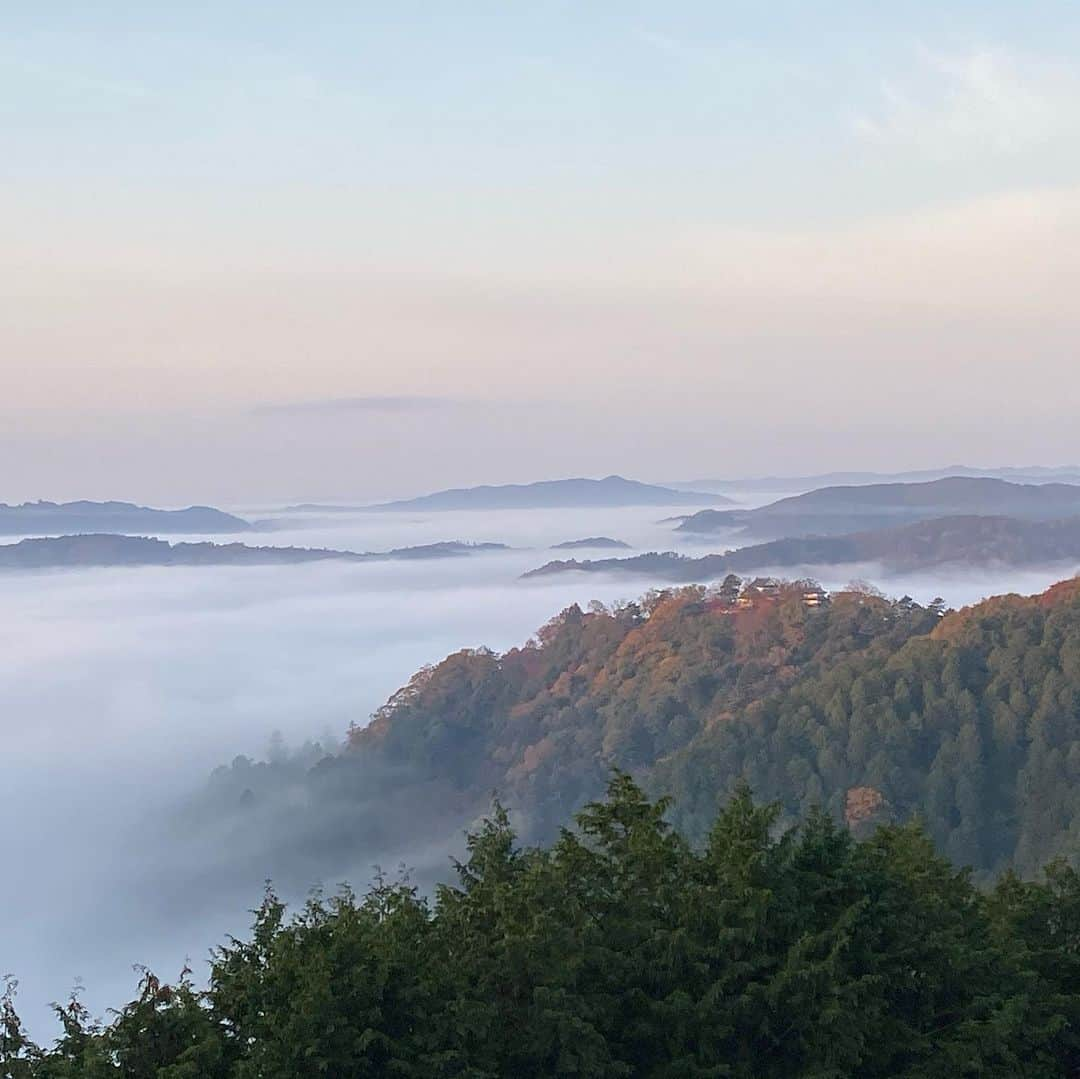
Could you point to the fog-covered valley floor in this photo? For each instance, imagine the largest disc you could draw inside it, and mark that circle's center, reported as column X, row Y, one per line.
column 120, row 690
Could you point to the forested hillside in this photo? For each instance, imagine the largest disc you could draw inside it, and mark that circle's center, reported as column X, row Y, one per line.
column 623, row 951
column 875, row 709
column 823, row 935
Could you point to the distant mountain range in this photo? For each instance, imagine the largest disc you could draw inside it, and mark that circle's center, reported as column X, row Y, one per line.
column 556, row 494
column 593, row 543
column 970, row 541
column 1030, row 474
column 833, row 511
column 33, row 518
column 99, row 550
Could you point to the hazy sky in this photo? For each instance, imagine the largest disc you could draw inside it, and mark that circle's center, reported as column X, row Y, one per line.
column 262, row 250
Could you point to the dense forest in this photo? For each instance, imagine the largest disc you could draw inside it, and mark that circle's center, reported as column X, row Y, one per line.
column 875, row 709
column 621, row 950
column 829, row 930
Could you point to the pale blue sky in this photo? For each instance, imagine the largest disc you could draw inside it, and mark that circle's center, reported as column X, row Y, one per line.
column 611, row 108
column 640, row 207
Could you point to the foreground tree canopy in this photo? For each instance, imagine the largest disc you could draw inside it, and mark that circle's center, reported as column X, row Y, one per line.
column 622, row 950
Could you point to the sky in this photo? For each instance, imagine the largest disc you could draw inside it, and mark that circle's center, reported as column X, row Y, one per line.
column 263, row 251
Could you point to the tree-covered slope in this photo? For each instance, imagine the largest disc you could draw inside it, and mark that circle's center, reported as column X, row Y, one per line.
column 975, row 727
column 658, row 939
column 622, row 951
column 874, row 709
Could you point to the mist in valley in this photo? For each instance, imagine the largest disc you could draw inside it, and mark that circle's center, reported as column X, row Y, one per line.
column 121, row 691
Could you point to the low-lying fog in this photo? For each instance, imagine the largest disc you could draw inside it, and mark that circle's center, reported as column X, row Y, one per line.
column 120, row 690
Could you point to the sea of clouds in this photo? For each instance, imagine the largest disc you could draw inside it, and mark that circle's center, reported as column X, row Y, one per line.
column 121, row 689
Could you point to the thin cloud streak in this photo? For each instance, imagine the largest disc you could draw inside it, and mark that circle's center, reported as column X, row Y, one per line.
column 982, row 100
column 374, row 403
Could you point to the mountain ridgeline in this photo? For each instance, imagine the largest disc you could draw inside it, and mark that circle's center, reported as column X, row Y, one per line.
column 38, row 518
column 787, row 484
column 875, row 709
column 557, row 494
column 908, row 548
column 101, row 550
column 592, row 542
column 833, row 511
